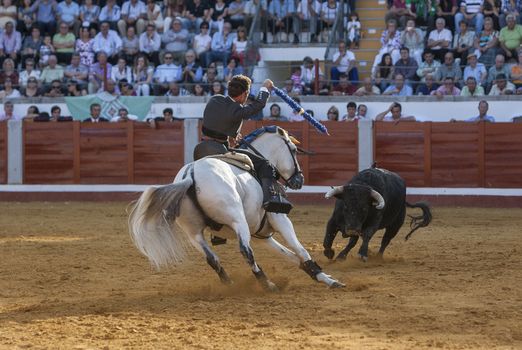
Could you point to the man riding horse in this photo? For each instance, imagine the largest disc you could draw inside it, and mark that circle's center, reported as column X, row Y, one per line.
column 222, row 120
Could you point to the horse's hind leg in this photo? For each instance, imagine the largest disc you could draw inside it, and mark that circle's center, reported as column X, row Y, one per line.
column 278, row 247
column 212, row 259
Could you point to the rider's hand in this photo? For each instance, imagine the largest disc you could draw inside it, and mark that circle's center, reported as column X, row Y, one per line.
column 269, row 84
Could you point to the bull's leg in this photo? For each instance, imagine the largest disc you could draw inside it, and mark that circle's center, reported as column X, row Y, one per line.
column 391, row 231
column 243, row 235
column 282, row 224
column 329, row 237
column 351, row 243
column 366, row 236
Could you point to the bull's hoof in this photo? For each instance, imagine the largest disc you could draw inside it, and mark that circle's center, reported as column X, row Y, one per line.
column 363, row 258
column 336, row 285
column 340, row 258
column 329, row 253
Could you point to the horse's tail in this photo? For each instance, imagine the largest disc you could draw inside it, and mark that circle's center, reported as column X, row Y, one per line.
column 421, row 220
column 152, row 220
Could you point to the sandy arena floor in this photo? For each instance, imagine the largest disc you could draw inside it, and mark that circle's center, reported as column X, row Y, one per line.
column 71, row 279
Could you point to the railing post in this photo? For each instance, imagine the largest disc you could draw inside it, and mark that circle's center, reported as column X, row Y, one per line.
column 365, row 145
column 427, row 154
column 316, row 81
column 190, row 138
column 482, row 154
column 15, row 147
column 130, row 152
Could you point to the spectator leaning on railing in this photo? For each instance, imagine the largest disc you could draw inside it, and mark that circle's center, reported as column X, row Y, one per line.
column 394, row 114
column 501, row 86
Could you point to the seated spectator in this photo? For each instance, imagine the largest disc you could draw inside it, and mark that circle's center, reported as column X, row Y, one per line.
column 483, row 114
column 75, row 90
column 63, row 42
column 232, row 68
column 46, row 50
column 68, row 13
column 448, row 69
column 52, row 72
column 150, row 43
column 361, row 111
column 308, row 75
column 9, row 71
column 344, row 87
column 8, row 90
column 413, row 39
column 167, row 116
column 45, row 15
column 56, row 115
column 89, row 14
column 328, row 12
column 390, row 44
column 399, row 88
column 7, row 13
column 95, row 114
column 486, row 44
column 126, row 88
column 400, row 12
column 76, row 71
column 121, row 71
column 221, row 46
column 176, row 40
column 32, row 113
column 428, row 86
column 500, row 67
column 501, row 86
column 353, row 31
column 491, row 9
column 8, row 113
column 447, row 89
column 239, row 45
column 447, row 10
column 99, row 72
column 85, row 47
column 110, row 13
column 507, row 8
column 154, row 16
column 55, row 89
column 367, row 88
column 384, row 72
column 216, row 15
column 344, row 63
column 236, row 14
column 197, row 11
column 209, row 78
column 428, row 66
column 275, row 114
column 294, row 86
column 463, row 42
column 324, row 86
column 130, row 45
column 123, row 116
column 510, row 37
column 26, row 17
column 439, row 40
column 10, row 43
column 108, row 41
column 394, row 114
column 31, row 45
column 175, row 9
column 143, row 74
column 332, row 114
column 471, row 12
column 32, row 89
column 176, row 90
column 281, row 19
column 166, row 73
column 198, row 90
column 29, row 72
column 516, row 71
column 217, row 89
column 201, row 42
column 406, row 66
column 308, row 13
column 472, row 89
column 351, row 112
column 475, row 69
column 192, row 71
column 133, row 13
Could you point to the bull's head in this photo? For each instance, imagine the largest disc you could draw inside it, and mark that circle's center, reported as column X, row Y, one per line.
column 357, row 201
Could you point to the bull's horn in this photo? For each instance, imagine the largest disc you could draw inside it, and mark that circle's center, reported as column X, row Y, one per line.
column 380, row 201
column 335, row 190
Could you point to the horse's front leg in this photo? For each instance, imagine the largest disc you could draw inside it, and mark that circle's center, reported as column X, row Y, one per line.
column 243, row 235
column 282, row 224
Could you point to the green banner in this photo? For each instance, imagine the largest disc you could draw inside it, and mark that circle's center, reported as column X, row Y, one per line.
column 136, row 105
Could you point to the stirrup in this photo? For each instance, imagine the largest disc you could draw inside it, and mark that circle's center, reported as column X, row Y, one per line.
column 215, row 240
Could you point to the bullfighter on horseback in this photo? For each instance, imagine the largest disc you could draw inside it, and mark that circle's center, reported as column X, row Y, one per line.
column 222, row 121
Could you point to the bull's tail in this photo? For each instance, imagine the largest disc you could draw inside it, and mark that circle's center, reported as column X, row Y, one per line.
column 151, row 223
column 421, row 220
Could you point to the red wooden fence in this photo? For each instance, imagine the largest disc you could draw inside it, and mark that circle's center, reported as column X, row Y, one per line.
column 3, row 152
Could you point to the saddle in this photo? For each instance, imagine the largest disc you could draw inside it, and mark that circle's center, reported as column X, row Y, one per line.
column 236, row 159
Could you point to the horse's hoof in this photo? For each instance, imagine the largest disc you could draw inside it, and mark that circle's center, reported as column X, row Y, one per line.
column 271, row 287
column 337, row 284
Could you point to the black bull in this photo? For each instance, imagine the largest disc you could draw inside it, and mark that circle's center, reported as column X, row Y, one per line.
column 373, row 199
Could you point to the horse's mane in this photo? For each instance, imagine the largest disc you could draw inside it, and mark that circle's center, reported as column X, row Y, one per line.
column 272, row 129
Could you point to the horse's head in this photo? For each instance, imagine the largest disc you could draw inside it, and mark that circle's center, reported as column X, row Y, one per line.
column 279, row 148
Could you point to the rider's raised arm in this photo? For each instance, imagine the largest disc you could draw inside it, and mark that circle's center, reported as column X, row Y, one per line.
column 255, row 106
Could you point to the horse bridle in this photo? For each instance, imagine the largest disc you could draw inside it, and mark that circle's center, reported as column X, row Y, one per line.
column 297, row 168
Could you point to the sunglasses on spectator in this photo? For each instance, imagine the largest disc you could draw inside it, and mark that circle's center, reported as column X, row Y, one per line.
column 168, row 57
column 56, row 86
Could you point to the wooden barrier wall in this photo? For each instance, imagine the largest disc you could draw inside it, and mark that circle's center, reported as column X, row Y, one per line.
column 105, row 153
column 3, row 152
column 451, row 154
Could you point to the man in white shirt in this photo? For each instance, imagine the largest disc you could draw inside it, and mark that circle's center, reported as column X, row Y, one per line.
column 133, row 13
column 150, row 43
column 8, row 113
column 110, row 13
column 308, row 75
column 308, row 12
column 166, row 73
column 439, row 39
column 502, row 86
column 108, row 41
column 69, row 13
column 344, row 62
column 123, row 116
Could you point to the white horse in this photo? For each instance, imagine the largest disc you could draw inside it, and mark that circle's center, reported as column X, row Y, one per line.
column 211, row 188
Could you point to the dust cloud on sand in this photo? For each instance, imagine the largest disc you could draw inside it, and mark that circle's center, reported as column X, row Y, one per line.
column 70, row 278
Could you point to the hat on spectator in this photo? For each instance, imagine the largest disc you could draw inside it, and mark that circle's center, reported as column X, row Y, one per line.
column 471, row 53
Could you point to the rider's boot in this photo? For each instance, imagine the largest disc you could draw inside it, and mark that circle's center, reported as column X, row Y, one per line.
column 273, row 201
